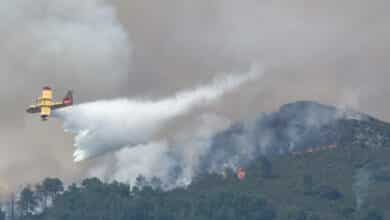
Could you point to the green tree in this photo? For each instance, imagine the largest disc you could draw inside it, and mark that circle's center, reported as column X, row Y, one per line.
column 330, row 193
column 313, row 216
column 308, row 184
column 92, row 183
column 266, row 167
column 48, row 190
column 374, row 215
column 27, row 202
column 141, row 181
column 297, row 214
column 156, row 183
column 2, row 215
column 53, row 186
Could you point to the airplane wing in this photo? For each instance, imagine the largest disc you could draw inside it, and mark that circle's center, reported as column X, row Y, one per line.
column 33, row 109
column 58, row 105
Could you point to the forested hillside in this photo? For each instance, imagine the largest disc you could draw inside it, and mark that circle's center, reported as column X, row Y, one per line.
column 338, row 169
column 318, row 185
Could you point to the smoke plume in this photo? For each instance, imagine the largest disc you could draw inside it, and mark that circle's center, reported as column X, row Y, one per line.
column 211, row 143
column 362, row 181
column 79, row 45
column 110, row 125
column 138, row 48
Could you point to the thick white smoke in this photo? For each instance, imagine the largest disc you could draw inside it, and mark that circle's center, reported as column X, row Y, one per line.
column 110, row 125
column 61, row 43
column 175, row 161
column 67, row 44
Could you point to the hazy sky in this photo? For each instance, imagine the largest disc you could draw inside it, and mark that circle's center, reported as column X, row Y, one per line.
column 332, row 51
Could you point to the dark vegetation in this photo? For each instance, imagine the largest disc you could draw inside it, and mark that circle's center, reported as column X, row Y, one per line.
column 2, row 215
column 348, row 181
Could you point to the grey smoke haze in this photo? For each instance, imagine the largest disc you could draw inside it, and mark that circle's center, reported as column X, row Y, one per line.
column 331, row 51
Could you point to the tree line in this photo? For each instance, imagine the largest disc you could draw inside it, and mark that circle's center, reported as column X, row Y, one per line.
column 208, row 197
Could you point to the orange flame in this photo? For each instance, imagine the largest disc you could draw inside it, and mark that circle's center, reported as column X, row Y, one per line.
column 241, row 174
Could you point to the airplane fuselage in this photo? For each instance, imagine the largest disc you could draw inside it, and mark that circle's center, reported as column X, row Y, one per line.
column 45, row 103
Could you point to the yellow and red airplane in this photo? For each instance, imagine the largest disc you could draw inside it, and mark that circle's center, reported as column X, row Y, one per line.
column 45, row 104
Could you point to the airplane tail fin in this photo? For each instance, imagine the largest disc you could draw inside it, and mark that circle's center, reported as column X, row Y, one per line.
column 68, row 99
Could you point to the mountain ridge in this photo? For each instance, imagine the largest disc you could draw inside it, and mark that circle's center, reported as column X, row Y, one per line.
column 286, row 178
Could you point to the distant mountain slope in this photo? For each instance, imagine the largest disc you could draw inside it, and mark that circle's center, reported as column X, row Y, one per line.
column 294, row 128
column 336, row 150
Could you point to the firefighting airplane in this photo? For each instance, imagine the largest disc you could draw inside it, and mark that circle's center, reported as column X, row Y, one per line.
column 45, row 104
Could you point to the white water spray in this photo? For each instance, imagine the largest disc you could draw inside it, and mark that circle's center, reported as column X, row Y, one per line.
column 109, row 125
